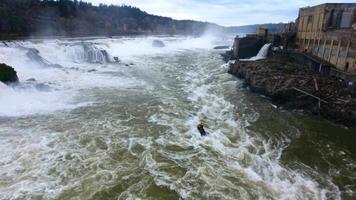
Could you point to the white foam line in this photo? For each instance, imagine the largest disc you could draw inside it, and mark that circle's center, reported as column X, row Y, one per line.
column 263, row 170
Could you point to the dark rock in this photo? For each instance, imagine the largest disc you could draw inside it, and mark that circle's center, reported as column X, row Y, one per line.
column 55, row 66
column 31, row 80
column 92, row 70
column 116, row 59
column 42, row 87
column 158, row 43
column 228, row 55
column 8, row 75
column 221, row 47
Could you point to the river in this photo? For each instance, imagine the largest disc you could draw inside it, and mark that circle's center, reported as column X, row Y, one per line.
column 83, row 126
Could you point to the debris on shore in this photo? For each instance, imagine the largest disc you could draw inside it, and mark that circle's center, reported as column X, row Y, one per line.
column 293, row 86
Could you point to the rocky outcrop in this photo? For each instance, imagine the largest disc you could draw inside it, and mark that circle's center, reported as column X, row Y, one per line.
column 221, row 47
column 293, row 86
column 158, row 43
column 227, row 56
column 8, row 74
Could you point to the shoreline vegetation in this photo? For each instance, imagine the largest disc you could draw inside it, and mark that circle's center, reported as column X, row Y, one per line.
column 292, row 86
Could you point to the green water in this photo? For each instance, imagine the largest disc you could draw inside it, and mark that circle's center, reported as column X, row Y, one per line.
column 141, row 141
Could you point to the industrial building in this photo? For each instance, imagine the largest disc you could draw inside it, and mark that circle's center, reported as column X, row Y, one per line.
column 328, row 32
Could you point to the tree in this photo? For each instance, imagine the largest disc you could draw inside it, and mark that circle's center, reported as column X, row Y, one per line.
column 21, row 17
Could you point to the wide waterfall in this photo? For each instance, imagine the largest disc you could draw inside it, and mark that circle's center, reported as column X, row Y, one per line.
column 95, row 55
column 88, row 52
column 262, row 54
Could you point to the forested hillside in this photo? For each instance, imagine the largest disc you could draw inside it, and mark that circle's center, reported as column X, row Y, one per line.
column 78, row 18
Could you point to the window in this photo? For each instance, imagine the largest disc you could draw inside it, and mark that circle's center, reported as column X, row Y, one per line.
column 333, row 51
column 346, row 20
column 353, row 45
column 310, row 19
column 344, row 43
column 343, row 53
column 335, row 17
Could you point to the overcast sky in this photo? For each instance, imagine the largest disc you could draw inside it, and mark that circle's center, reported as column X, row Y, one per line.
column 223, row 12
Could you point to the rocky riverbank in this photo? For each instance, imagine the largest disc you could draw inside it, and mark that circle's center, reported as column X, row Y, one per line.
column 293, row 86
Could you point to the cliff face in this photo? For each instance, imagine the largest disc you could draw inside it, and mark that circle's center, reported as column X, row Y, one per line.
column 293, row 86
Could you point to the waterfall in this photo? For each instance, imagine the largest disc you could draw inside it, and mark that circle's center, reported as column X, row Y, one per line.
column 34, row 54
column 95, row 55
column 262, row 54
column 88, row 53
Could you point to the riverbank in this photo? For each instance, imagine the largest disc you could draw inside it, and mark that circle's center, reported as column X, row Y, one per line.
column 293, row 86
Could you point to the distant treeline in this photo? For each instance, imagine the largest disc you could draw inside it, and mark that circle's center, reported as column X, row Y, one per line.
column 78, row 18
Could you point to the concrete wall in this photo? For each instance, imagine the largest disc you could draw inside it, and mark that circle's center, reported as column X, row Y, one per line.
column 247, row 47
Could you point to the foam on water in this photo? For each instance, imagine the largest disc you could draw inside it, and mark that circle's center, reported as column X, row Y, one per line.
column 129, row 48
column 18, row 102
column 134, row 141
column 64, row 82
column 262, row 172
column 3, row 86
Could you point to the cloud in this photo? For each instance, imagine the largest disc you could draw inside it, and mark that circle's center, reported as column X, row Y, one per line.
column 223, row 12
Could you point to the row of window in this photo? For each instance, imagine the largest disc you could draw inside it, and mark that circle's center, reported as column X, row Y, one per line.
column 336, row 18
column 341, row 19
column 314, row 42
column 325, row 50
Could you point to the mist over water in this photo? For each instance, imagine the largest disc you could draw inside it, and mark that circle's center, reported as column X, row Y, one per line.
column 82, row 126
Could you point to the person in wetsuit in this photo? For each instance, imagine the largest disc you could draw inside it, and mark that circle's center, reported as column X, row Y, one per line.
column 201, row 130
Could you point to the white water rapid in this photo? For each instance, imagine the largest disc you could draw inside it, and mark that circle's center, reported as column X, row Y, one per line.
column 81, row 125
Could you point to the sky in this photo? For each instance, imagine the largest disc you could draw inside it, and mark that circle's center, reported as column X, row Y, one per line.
column 223, row 12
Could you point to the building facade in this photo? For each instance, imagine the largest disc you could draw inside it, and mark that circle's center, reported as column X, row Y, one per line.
column 328, row 31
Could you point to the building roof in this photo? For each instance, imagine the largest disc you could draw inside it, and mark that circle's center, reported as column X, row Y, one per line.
column 329, row 4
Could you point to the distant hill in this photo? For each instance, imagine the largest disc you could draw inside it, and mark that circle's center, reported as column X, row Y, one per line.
column 272, row 27
column 77, row 18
